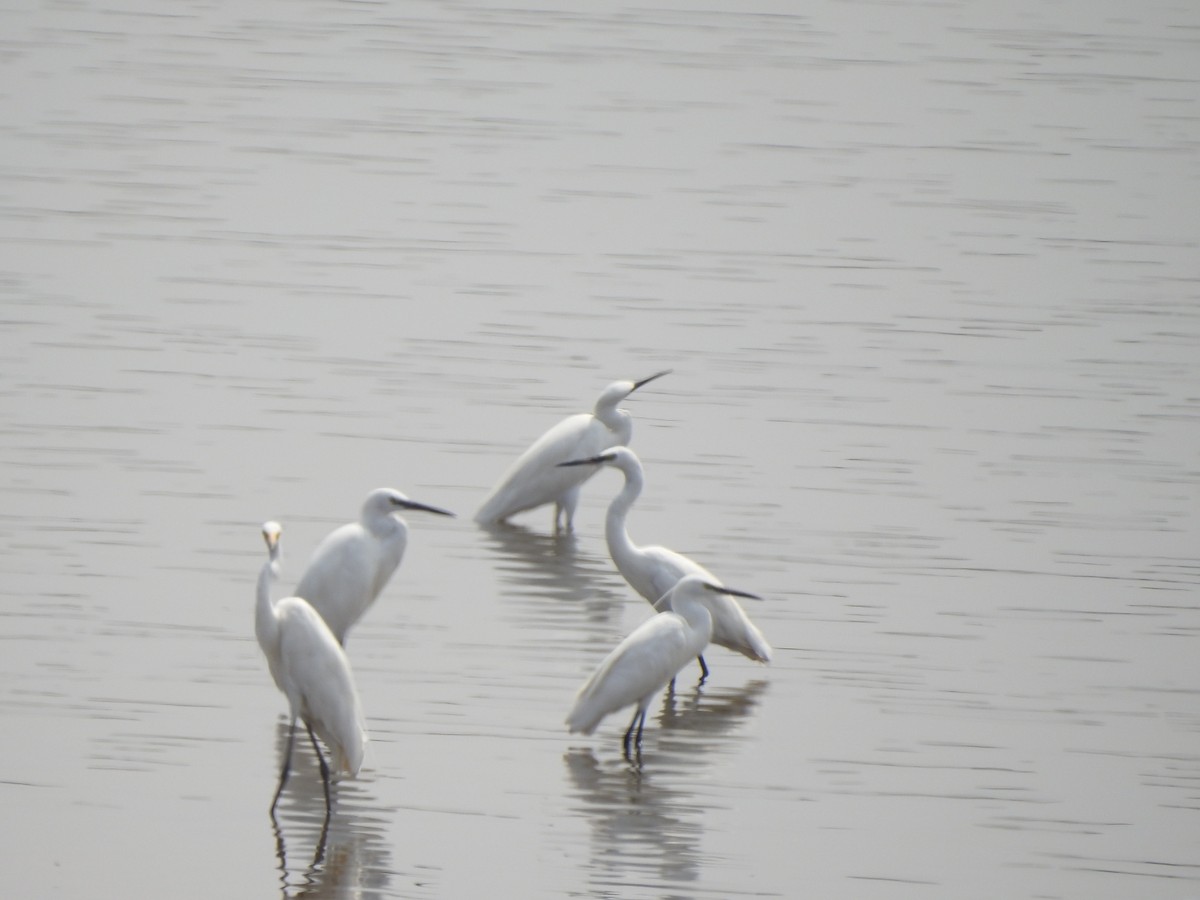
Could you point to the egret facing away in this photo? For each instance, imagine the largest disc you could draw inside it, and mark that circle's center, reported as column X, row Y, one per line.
column 643, row 663
column 652, row 571
column 310, row 667
column 535, row 479
column 352, row 565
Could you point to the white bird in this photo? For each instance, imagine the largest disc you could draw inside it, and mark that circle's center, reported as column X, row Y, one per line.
column 535, row 479
column 310, row 667
column 351, row 566
column 643, row 663
column 654, row 570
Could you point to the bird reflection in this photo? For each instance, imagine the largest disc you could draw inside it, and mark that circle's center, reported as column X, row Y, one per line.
column 639, row 825
column 644, row 818
column 529, row 563
column 328, row 857
column 714, row 712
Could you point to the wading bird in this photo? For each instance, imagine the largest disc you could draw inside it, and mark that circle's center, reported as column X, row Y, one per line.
column 642, row 664
column 351, row 566
column 310, row 667
column 653, row 570
column 535, row 479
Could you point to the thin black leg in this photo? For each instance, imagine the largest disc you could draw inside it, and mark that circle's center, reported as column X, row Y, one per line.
column 324, row 769
column 629, row 734
column 287, row 767
column 703, row 669
column 633, row 740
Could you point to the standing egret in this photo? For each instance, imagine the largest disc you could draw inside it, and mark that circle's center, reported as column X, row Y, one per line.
column 535, row 479
column 310, row 667
column 652, row 571
column 642, row 664
column 352, row 565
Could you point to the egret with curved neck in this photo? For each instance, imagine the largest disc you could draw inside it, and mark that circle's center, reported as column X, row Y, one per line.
column 535, row 478
column 653, row 570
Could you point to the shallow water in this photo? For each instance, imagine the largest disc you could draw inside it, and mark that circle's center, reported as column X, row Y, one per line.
column 926, row 278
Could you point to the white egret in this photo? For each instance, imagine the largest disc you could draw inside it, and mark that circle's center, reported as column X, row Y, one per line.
column 642, row 664
column 654, row 570
column 351, row 566
column 310, row 667
column 535, row 479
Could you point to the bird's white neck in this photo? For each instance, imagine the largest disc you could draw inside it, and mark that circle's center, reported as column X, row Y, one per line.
column 381, row 524
column 695, row 612
column 264, row 609
column 619, row 422
column 620, row 547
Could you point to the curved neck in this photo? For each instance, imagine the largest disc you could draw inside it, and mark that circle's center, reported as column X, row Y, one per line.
column 619, row 422
column 381, row 522
column 620, row 547
column 695, row 612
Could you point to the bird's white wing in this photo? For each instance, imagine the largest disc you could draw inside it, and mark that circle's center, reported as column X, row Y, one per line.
column 318, row 681
column 536, row 478
column 733, row 629
column 338, row 580
column 666, row 567
column 639, row 666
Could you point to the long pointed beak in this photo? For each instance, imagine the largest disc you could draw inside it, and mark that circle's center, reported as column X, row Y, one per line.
column 721, row 589
column 590, row 461
column 413, row 504
column 638, row 384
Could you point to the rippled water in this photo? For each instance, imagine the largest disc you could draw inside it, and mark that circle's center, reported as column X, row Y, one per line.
column 926, row 274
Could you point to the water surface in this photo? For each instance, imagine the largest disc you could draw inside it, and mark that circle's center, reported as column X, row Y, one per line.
column 926, row 277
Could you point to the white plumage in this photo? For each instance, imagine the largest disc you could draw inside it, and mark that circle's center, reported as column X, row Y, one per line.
column 535, row 478
column 354, row 562
column 652, row 570
column 311, row 669
column 645, row 661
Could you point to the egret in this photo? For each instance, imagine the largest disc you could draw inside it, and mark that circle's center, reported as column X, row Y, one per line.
column 351, row 566
column 642, row 664
column 535, row 479
column 652, row 571
column 310, row 667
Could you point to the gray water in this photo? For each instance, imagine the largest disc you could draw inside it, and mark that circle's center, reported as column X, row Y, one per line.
column 927, row 277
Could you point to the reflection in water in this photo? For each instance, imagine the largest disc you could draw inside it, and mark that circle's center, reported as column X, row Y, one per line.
column 938, row 339
column 708, row 712
column 551, row 565
column 343, row 855
column 644, row 820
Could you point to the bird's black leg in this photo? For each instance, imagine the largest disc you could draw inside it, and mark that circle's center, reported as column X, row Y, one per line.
column 287, row 767
column 637, row 714
column 703, row 669
column 324, row 768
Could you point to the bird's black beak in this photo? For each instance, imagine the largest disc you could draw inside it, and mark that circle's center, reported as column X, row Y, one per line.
column 721, row 589
column 590, row 461
column 413, row 504
column 638, row 384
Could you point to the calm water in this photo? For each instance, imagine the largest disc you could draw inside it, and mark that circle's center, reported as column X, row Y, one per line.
column 927, row 276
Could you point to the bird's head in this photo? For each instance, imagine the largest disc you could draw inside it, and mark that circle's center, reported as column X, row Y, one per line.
column 271, row 532
column 389, row 500
column 619, row 390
